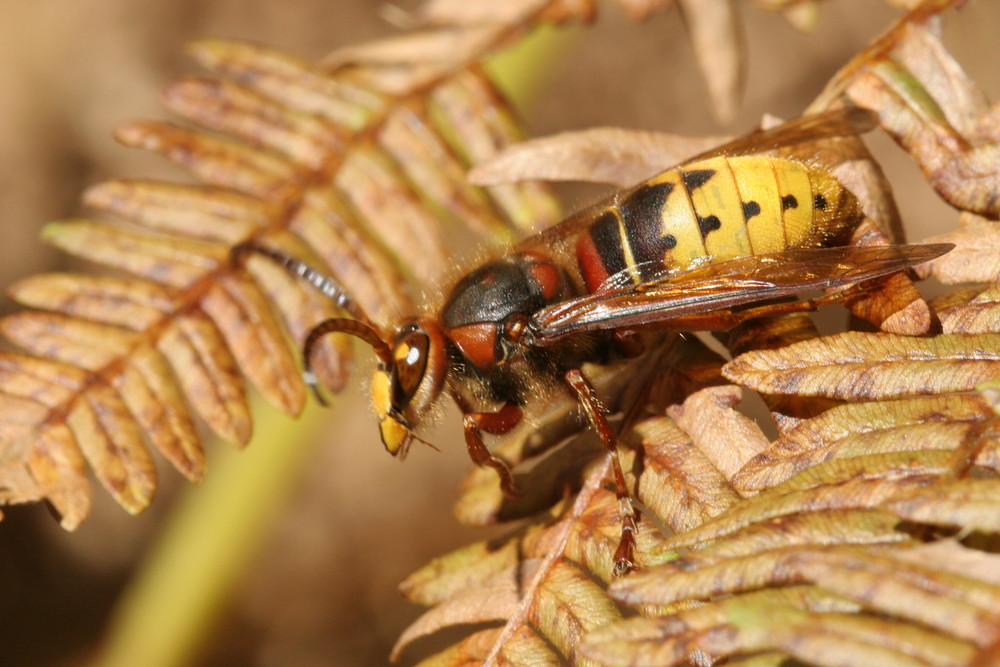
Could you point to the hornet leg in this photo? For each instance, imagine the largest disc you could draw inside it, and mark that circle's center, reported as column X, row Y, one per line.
column 496, row 423
column 624, row 559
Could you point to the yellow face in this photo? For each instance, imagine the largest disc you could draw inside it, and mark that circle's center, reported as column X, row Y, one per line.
column 395, row 434
column 407, row 383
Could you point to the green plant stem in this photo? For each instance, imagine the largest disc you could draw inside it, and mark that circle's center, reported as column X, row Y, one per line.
column 523, row 69
column 201, row 556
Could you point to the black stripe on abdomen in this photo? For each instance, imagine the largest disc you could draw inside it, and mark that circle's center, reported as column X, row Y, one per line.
column 642, row 212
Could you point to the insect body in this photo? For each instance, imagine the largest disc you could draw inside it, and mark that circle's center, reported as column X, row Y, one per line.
column 718, row 208
column 682, row 250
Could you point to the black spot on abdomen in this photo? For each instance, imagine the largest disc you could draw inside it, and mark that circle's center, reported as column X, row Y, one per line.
column 750, row 209
column 789, row 201
column 709, row 224
column 819, row 201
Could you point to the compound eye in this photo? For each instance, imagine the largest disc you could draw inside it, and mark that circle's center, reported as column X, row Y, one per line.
column 409, row 365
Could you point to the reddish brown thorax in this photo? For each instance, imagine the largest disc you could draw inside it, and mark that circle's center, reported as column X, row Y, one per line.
column 482, row 313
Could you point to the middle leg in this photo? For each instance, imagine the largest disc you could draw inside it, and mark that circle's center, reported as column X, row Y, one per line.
column 624, row 558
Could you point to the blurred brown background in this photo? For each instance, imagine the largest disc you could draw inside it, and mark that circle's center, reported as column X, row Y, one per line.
column 322, row 589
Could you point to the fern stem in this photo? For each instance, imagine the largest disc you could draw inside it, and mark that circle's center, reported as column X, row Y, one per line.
column 175, row 599
column 523, row 69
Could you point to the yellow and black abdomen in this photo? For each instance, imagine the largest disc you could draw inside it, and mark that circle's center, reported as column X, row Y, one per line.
column 718, row 208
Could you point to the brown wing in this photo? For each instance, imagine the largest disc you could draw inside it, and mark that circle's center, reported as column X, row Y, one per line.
column 836, row 123
column 722, row 285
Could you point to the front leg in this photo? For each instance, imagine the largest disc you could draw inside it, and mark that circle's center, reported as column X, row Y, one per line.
column 624, row 559
column 496, row 423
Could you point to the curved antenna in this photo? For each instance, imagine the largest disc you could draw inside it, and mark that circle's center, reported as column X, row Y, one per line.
column 360, row 326
column 362, row 330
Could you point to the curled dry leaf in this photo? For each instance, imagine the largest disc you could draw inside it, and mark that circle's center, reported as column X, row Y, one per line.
column 87, row 345
column 492, row 600
column 975, row 259
column 934, row 422
column 155, row 400
column 438, row 172
column 483, row 125
column 957, row 604
column 969, row 504
column 863, row 366
column 726, row 437
column 175, row 263
column 56, row 465
column 376, row 188
column 771, row 333
column 891, row 303
column 521, row 647
column 598, row 155
column 133, row 303
column 199, row 212
column 464, row 568
column 822, row 527
column 300, row 85
column 923, row 53
column 221, row 162
column 568, row 605
column 963, row 174
column 849, row 484
column 951, row 556
column 111, row 443
column 208, row 374
column 980, row 314
column 255, row 338
column 253, row 118
column 696, row 490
